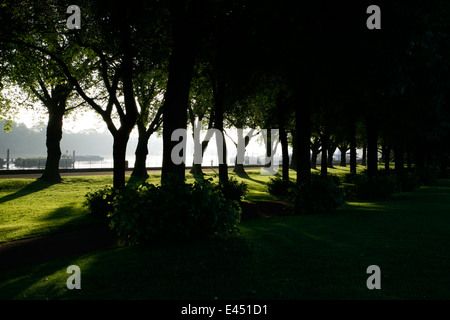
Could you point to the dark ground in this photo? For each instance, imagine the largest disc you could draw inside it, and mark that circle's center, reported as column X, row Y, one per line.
column 40, row 249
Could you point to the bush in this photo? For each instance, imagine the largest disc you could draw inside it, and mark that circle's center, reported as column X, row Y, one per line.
column 409, row 181
column 233, row 190
column 99, row 203
column 323, row 195
column 350, row 177
column 280, row 188
column 173, row 212
column 379, row 186
column 427, row 176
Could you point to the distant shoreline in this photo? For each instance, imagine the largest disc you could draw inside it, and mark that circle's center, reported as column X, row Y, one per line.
column 34, row 173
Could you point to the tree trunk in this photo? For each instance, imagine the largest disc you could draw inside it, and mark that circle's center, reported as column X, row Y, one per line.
column 284, row 153
column 314, row 153
column 420, row 156
column 196, row 169
column 281, row 110
column 324, row 160
column 219, row 105
column 353, row 165
column 293, row 164
column 330, row 154
column 343, row 162
column 372, row 147
column 56, row 107
column 128, row 119
column 53, row 141
column 119, row 157
column 140, row 168
column 331, row 150
column 386, row 156
column 408, row 159
column 303, row 137
column 364, row 155
column 398, row 152
column 181, row 66
column 239, row 167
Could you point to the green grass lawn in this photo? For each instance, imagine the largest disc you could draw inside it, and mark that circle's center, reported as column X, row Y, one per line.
column 31, row 208
column 290, row 257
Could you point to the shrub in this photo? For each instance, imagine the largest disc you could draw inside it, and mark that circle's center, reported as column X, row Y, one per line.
column 409, row 181
column 323, row 195
column 280, row 188
column 99, row 203
column 174, row 211
column 233, row 190
column 427, row 176
column 378, row 186
column 350, row 178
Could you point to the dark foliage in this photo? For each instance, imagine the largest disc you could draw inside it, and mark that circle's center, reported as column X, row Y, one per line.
column 279, row 187
column 323, row 195
column 233, row 189
column 99, row 203
column 172, row 212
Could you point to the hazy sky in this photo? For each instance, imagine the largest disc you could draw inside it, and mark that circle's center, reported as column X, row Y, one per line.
column 90, row 120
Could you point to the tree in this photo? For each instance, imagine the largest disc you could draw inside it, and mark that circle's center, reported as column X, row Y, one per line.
column 108, row 46
column 40, row 79
column 186, row 17
column 199, row 109
column 149, row 86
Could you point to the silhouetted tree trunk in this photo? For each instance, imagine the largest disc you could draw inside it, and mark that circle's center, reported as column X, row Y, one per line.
column 303, row 135
column 119, row 157
column 196, row 169
column 219, row 105
column 343, row 149
column 53, row 140
column 386, row 156
column 239, row 167
column 398, row 153
column 331, row 150
column 293, row 164
column 372, row 146
column 364, row 155
column 408, row 159
column 314, row 154
column 140, row 168
column 128, row 120
column 420, row 156
column 325, row 145
column 281, row 114
column 353, row 165
column 56, row 106
column 176, row 100
column 284, row 153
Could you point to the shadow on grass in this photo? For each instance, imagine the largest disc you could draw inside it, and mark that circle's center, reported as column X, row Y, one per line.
column 33, row 187
column 246, row 176
column 136, row 181
column 144, row 272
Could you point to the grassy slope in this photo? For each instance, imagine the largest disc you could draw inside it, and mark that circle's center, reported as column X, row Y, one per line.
column 301, row 257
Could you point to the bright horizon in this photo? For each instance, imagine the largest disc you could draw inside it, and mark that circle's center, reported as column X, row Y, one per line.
column 90, row 120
